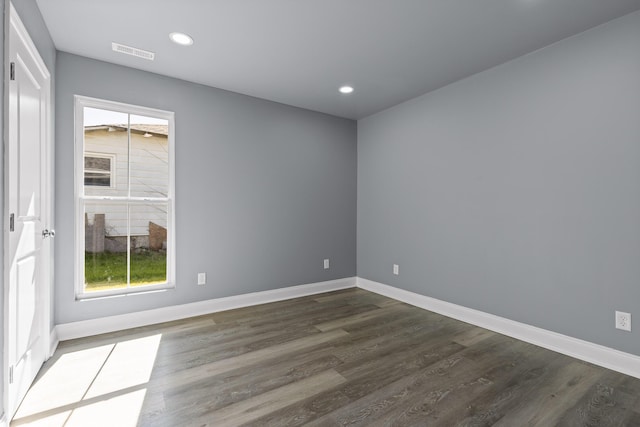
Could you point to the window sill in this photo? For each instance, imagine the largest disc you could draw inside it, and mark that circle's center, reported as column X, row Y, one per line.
column 138, row 290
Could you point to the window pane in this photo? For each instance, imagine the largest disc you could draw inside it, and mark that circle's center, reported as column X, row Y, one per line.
column 97, row 179
column 97, row 164
column 148, row 243
column 105, row 238
column 149, row 157
column 106, row 140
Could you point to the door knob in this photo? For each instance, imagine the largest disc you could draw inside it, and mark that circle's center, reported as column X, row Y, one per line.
column 48, row 233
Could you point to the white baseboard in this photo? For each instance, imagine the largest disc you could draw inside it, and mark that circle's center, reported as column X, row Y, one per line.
column 85, row 328
column 606, row 357
column 54, row 340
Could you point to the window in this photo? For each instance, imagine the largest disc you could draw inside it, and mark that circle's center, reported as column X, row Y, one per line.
column 98, row 170
column 124, row 198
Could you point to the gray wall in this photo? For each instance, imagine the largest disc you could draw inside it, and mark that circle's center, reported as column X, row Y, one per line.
column 264, row 192
column 32, row 20
column 516, row 191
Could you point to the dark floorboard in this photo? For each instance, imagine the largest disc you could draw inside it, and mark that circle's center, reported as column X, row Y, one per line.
column 354, row 358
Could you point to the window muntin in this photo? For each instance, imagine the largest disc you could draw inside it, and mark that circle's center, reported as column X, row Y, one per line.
column 124, row 197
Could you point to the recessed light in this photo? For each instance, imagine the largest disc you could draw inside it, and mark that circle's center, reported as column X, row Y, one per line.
column 346, row 89
column 181, row 39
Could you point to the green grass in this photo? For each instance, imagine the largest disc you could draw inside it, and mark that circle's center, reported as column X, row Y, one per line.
column 103, row 271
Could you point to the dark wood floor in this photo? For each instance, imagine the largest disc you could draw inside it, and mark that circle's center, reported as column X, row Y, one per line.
column 347, row 358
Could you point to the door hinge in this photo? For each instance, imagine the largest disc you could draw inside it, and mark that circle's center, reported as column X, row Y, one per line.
column 10, row 374
column 12, row 72
column 12, row 222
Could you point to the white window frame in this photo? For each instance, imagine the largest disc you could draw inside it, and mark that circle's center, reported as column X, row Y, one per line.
column 112, row 172
column 80, row 102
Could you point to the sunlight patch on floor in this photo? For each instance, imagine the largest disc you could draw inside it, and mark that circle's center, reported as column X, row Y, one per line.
column 130, row 364
column 121, row 411
column 56, row 420
column 103, row 385
column 65, row 382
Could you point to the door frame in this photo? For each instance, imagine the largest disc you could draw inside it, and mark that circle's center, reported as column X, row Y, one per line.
column 12, row 20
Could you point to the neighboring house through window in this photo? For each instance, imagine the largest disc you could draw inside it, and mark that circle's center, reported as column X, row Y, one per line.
column 98, row 169
column 124, row 198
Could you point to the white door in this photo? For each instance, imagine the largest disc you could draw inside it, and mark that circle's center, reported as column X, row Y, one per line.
column 28, row 186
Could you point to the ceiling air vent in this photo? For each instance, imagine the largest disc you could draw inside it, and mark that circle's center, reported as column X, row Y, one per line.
column 133, row 51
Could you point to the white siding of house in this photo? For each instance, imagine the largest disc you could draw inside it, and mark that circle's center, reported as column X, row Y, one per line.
column 149, row 178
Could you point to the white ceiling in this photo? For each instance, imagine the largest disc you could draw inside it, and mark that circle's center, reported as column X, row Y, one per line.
column 299, row 52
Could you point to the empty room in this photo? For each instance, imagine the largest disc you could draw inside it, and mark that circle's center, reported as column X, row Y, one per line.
column 323, row 213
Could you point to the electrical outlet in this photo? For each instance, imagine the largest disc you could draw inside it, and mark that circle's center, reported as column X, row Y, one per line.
column 623, row 321
column 326, row 264
column 396, row 269
column 202, row 278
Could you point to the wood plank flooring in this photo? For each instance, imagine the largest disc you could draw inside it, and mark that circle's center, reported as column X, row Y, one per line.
column 346, row 358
